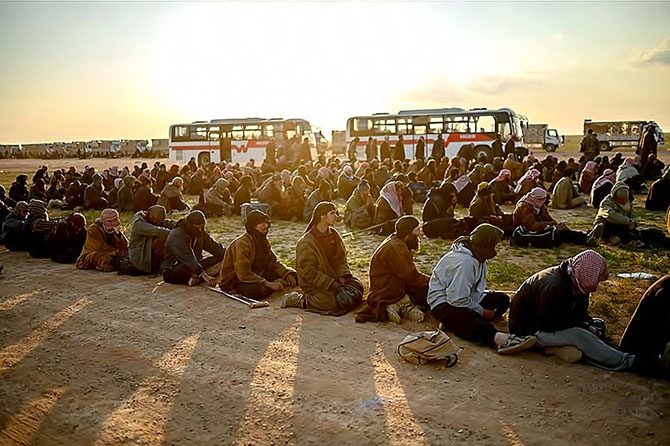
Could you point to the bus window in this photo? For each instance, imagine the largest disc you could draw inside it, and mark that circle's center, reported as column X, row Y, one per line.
column 180, row 133
column 214, row 133
column 362, row 126
column 420, row 129
column 269, row 131
column 404, row 126
column 386, row 127
column 486, row 124
column 238, row 132
column 199, row 133
column 436, row 124
column 252, row 131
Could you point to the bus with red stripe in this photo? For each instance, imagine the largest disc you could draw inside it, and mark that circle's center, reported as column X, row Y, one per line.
column 237, row 140
column 466, row 133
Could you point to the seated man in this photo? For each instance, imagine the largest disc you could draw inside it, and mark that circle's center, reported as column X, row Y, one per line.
column 390, row 206
column 323, row 272
column 13, row 235
column 485, row 210
column 397, row 288
column 218, row 201
column 647, row 335
column 37, row 228
column 183, row 262
column 601, row 187
column 360, row 209
column 458, row 297
column 67, row 239
column 565, row 195
column 250, row 267
column 147, row 239
column 618, row 218
column 552, row 305
column 658, row 198
column 105, row 244
column 532, row 215
column 438, row 213
column 171, row 197
column 95, row 196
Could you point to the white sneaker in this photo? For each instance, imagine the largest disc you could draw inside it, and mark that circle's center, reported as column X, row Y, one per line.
column 292, row 299
column 412, row 313
column 514, row 344
column 393, row 313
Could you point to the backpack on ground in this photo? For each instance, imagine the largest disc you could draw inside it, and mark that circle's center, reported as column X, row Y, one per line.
column 428, row 346
column 549, row 238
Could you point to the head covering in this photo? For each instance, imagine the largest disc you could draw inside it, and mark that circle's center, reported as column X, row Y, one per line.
column 348, row 170
column 37, row 208
column 321, row 209
column 323, row 172
column 629, row 160
column 619, row 185
column 405, row 225
column 22, row 206
column 157, row 212
column 118, row 182
column 390, row 194
column 607, row 176
column 587, row 269
column 536, row 197
column 196, row 218
column 482, row 241
column 532, row 174
column 128, row 180
column 221, row 184
column 110, row 219
column 256, row 217
column 363, row 185
column 590, row 166
column 286, row 175
column 484, row 188
column 504, row 174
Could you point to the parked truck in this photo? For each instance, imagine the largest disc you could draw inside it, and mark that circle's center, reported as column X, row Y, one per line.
column 540, row 136
column 621, row 133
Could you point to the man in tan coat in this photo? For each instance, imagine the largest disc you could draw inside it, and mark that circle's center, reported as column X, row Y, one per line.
column 105, row 243
column 323, row 272
column 397, row 288
column 250, row 267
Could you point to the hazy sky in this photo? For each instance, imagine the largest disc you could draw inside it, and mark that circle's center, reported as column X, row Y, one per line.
column 116, row 70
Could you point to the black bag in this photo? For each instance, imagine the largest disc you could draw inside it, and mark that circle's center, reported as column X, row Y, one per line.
column 549, row 238
column 348, row 297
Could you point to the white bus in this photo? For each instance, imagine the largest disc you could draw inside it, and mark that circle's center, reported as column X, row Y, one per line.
column 466, row 133
column 235, row 140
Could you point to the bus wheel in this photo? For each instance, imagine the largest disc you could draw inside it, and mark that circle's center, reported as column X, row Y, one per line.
column 204, row 159
column 480, row 151
column 604, row 146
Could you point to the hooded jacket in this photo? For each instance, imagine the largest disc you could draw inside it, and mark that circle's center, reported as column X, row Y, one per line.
column 612, row 212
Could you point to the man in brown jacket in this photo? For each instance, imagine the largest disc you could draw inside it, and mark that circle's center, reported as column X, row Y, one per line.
column 323, row 272
column 397, row 288
column 105, row 243
column 250, row 267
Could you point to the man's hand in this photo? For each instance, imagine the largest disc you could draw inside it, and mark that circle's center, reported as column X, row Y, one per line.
column 211, row 281
column 489, row 315
column 274, row 286
column 632, row 224
column 291, row 279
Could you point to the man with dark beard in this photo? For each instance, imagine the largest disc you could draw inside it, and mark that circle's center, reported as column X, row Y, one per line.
column 105, row 243
column 397, row 288
column 250, row 267
column 183, row 262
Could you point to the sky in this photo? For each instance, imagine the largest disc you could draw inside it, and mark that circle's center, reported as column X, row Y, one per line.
column 128, row 70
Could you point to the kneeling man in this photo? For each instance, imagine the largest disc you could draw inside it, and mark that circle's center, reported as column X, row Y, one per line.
column 323, row 272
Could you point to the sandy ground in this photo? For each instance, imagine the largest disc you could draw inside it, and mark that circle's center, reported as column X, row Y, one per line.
column 94, row 358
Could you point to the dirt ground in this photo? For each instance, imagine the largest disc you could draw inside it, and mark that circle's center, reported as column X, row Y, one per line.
column 95, row 358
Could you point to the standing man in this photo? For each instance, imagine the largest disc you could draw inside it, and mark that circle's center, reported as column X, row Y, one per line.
column 323, row 272
column 183, row 262
column 371, row 149
column 648, row 145
column 420, row 153
column 399, row 149
column 397, row 288
column 438, row 148
column 250, row 266
column 589, row 146
column 458, row 297
column 147, row 239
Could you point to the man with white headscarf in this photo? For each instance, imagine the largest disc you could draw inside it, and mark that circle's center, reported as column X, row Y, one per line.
column 553, row 305
column 105, row 244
